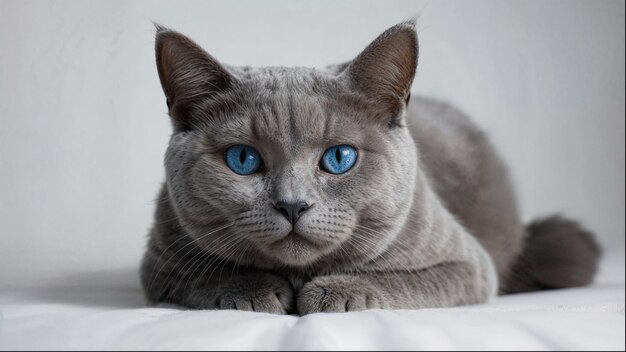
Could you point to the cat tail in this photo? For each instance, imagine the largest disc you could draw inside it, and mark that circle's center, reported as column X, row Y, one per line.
column 558, row 253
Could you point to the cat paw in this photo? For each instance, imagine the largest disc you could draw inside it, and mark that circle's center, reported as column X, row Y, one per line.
column 265, row 293
column 339, row 293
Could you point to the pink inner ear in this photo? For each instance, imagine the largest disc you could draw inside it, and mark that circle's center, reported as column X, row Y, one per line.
column 164, row 65
column 385, row 69
column 165, row 73
column 187, row 72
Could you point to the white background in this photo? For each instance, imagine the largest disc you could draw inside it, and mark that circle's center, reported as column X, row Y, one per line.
column 83, row 123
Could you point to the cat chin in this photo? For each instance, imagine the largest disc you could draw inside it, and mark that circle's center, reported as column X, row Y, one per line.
column 297, row 250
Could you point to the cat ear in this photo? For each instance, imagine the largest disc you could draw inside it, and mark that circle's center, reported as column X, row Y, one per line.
column 188, row 74
column 384, row 71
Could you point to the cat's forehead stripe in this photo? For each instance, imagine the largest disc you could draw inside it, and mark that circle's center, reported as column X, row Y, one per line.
column 289, row 108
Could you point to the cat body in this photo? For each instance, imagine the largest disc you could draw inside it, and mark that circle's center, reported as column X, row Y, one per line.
column 423, row 216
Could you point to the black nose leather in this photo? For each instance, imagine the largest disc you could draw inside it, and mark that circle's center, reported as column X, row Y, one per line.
column 292, row 210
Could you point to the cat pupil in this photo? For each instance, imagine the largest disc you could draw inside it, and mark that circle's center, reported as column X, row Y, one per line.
column 338, row 155
column 242, row 155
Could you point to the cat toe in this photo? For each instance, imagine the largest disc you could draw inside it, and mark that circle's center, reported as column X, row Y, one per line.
column 335, row 295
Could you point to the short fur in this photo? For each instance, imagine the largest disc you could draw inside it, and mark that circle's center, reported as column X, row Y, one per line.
column 426, row 217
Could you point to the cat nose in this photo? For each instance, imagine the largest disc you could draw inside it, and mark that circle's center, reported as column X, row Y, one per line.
column 292, row 210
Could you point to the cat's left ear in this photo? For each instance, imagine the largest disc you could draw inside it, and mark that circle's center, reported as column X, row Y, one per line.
column 384, row 71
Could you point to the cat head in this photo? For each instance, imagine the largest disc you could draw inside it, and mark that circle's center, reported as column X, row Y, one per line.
column 290, row 166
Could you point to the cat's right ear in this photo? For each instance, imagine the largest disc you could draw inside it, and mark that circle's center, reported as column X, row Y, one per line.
column 188, row 73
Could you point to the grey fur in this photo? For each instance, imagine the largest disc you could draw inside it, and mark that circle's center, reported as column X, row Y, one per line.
column 426, row 218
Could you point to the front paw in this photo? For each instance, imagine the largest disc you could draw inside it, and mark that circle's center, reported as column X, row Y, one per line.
column 258, row 292
column 339, row 293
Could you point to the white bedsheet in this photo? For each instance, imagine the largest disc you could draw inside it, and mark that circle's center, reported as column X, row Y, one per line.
column 104, row 310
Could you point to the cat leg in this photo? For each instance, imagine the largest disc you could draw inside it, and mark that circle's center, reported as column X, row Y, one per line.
column 255, row 291
column 220, row 287
column 443, row 285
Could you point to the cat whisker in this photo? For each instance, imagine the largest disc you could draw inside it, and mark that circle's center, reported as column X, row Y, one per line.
column 153, row 276
column 220, row 255
column 212, row 258
column 361, row 243
column 393, row 270
column 166, row 221
column 224, row 260
column 203, row 256
column 243, row 251
column 376, row 261
column 398, row 240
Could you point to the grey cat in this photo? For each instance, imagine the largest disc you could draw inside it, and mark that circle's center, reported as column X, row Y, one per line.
column 297, row 190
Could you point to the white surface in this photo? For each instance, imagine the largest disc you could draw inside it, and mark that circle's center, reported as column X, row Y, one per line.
column 103, row 310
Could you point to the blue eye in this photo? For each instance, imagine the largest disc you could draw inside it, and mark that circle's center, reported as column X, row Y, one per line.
column 339, row 159
column 243, row 160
